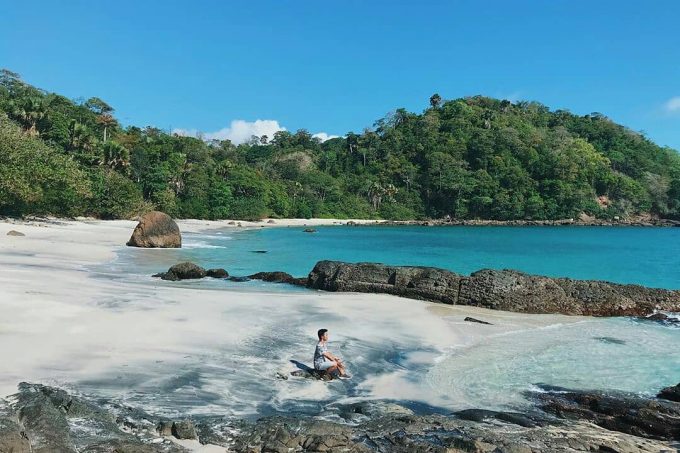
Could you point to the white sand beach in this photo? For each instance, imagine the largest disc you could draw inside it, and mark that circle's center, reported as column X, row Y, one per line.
column 192, row 350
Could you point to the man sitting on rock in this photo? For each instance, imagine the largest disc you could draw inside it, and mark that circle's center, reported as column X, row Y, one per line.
column 324, row 361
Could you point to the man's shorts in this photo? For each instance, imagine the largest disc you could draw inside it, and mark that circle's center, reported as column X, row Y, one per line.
column 323, row 366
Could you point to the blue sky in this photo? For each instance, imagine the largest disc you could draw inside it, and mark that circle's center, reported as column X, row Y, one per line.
column 336, row 66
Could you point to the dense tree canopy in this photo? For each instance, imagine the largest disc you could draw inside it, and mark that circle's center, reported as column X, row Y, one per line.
column 474, row 157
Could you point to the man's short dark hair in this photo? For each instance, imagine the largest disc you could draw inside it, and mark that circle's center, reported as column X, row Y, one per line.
column 321, row 332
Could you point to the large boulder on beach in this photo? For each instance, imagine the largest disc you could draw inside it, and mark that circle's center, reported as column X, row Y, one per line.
column 15, row 233
column 156, row 230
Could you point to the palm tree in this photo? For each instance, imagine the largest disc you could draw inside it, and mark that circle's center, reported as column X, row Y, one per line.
column 115, row 156
column 435, row 100
column 29, row 111
column 108, row 121
column 77, row 135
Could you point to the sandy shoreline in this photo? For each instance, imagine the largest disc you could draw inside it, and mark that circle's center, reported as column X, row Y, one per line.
column 62, row 326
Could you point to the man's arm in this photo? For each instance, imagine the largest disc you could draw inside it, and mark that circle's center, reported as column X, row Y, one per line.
column 330, row 356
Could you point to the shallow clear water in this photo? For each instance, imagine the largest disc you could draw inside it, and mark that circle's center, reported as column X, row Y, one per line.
column 647, row 256
column 610, row 354
column 620, row 353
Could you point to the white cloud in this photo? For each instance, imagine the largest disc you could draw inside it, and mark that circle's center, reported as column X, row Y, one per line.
column 239, row 131
column 324, row 136
column 673, row 105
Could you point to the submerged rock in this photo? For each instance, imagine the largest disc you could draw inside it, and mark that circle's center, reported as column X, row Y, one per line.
column 309, row 230
column 274, row 277
column 500, row 290
column 156, row 229
column 278, row 277
column 661, row 318
column 217, row 273
column 183, row 271
column 471, row 319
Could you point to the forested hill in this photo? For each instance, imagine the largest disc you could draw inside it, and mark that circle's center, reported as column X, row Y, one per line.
column 474, row 157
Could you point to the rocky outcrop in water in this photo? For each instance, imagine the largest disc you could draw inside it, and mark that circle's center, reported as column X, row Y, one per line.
column 478, row 321
column 156, row 229
column 183, row 271
column 670, row 393
column 500, row 290
column 217, row 273
column 278, row 277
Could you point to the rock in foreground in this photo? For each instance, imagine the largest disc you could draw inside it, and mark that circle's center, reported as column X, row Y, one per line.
column 45, row 419
column 156, row 230
column 630, row 414
column 506, row 290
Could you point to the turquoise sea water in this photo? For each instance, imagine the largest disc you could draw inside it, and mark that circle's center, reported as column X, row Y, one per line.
column 647, row 256
column 599, row 353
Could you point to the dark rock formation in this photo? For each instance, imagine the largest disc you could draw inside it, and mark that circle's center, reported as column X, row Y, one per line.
column 15, row 233
column 156, row 229
column 405, row 433
column 12, row 436
column 274, row 277
column 309, row 230
column 271, row 221
column 238, row 279
column 660, row 318
column 482, row 415
column 670, row 393
column 426, row 283
column 51, row 420
column 259, row 251
column 501, row 290
column 217, row 273
column 183, row 271
column 184, row 430
column 312, row 373
column 278, row 277
column 479, row 321
column 630, row 414
column 54, row 421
